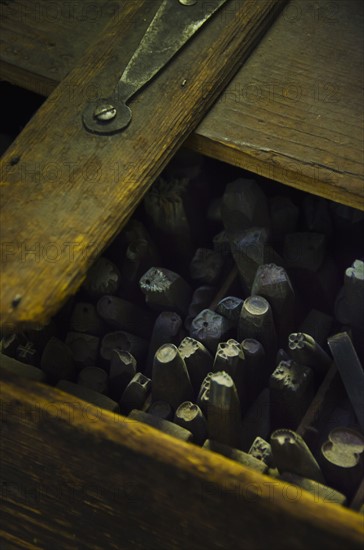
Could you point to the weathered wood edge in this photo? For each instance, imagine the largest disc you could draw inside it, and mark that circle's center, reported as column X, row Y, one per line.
column 26, row 79
column 295, row 172
column 109, row 438
column 314, row 179
column 44, row 286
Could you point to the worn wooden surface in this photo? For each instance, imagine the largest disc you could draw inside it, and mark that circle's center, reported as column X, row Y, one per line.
column 294, row 113
column 65, row 193
column 82, row 477
column 42, row 41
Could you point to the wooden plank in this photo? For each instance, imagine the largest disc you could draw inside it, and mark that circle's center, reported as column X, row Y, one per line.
column 84, row 477
column 294, row 112
column 42, row 41
column 66, row 193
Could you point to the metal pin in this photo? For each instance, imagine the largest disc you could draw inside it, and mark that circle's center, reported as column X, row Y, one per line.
column 256, row 321
column 282, row 355
column 256, row 422
column 168, row 329
column 304, row 250
column 84, row 348
column 27, row 353
column 237, row 455
column 171, row 381
column 346, row 219
column 160, row 424
column 57, row 360
column 339, row 413
column 261, row 450
column 255, row 366
column 318, row 325
column 223, row 411
column 221, row 244
column 94, row 378
column 140, row 254
column 10, row 343
column 61, row 318
column 230, row 358
column 21, row 369
column 315, row 279
column 272, row 282
column 204, row 393
column 161, row 409
column 230, row 308
column 349, row 305
column 147, row 403
column 284, row 216
column 248, row 249
column 351, row 371
column 201, row 299
column 206, row 266
column 291, row 454
column 124, row 315
column 214, row 211
column 84, row 318
column 189, row 416
column 102, row 278
column 342, row 457
column 188, row 164
column 210, row 328
column 136, row 231
column 306, row 351
column 86, row 394
column 291, row 392
column 322, row 492
column 321, row 288
column 316, row 215
column 40, row 334
column 125, row 341
column 244, row 205
column 198, row 361
column 173, row 212
column 135, row 393
column 165, row 290
column 122, row 369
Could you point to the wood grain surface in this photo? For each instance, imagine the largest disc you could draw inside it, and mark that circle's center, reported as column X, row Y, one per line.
column 65, row 193
column 294, row 113
column 81, row 477
column 42, row 41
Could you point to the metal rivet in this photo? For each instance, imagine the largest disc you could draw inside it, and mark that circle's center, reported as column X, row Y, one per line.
column 14, row 160
column 16, row 301
column 188, row 2
column 105, row 112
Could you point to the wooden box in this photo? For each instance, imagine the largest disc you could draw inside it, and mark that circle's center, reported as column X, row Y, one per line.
column 87, row 477
column 74, row 476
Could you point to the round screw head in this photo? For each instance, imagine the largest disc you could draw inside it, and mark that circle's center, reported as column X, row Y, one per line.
column 105, row 112
column 187, row 2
